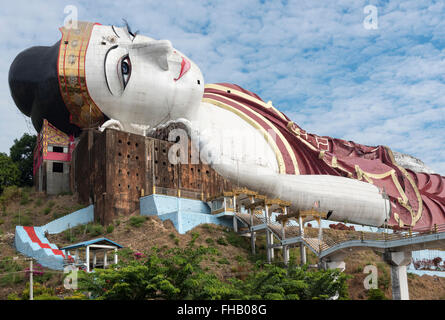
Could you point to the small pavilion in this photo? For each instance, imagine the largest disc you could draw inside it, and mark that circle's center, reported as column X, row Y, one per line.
column 94, row 252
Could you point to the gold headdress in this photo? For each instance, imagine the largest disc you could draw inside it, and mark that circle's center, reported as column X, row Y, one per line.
column 71, row 70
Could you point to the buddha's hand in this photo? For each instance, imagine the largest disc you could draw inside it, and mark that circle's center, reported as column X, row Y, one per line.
column 112, row 124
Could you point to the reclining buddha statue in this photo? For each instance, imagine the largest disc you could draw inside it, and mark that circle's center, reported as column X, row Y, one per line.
column 108, row 77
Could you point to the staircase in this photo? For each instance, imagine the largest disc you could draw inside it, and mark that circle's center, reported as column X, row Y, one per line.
column 316, row 244
column 32, row 242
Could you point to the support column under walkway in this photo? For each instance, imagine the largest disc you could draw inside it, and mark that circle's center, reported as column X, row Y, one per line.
column 399, row 279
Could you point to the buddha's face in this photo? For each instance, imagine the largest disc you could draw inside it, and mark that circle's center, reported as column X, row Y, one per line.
column 136, row 79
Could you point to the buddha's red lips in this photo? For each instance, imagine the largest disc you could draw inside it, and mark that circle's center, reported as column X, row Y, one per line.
column 185, row 66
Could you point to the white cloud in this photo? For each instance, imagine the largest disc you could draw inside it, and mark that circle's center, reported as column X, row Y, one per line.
column 314, row 60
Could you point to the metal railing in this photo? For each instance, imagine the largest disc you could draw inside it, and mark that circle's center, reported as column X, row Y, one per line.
column 328, row 241
column 344, row 236
column 179, row 192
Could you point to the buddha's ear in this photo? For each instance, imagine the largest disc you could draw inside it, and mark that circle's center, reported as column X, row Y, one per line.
column 156, row 50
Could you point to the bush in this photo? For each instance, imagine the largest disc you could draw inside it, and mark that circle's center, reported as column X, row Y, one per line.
column 21, row 220
column 22, row 154
column 46, row 211
column 137, row 221
column 95, row 229
column 223, row 261
column 9, row 173
column 40, row 292
column 11, row 193
column 77, row 207
column 110, row 228
column 38, row 203
column 13, row 296
column 57, row 215
column 9, row 268
column 11, row 279
column 240, row 259
column 222, row 241
column 46, row 296
column 68, row 235
column 236, row 240
column 208, row 227
column 25, row 198
column 177, row 274
column 376, row 294
column 76, row 296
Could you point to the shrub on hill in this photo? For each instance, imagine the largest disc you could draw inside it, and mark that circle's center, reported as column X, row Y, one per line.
column 137, row 221
column 376, row 294
column 176, row 273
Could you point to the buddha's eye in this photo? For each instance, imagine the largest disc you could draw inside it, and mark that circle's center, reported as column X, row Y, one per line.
column 125, row 70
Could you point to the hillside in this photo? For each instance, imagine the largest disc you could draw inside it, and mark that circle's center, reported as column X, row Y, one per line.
column 139, row 234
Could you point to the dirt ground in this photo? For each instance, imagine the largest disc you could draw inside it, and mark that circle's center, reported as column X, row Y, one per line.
column 234, row 258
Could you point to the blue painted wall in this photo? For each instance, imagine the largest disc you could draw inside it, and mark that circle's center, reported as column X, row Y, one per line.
column 80, row 217
column 185, row 214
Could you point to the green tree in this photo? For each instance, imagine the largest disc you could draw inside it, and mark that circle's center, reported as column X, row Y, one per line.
column 9, row 172
column 177, row 274
column 272, row 282
column 21, row 153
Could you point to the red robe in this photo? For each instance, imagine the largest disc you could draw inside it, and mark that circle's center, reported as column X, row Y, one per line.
column 417, row 199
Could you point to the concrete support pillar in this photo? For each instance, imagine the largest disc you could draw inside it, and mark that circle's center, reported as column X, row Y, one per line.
column 320, row 231
column 399, row 279
column 272, row 253
column 252, row 241
column 252, row 233
column 87, row 258
column 302, row 247
column 269, row 256
column 105, row 259
column 286, row 255
column 269, row 236
column 115, row 256
column 303, row 254
column 235, row 222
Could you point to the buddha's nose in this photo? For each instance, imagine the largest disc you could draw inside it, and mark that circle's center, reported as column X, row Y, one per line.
column 157, row 50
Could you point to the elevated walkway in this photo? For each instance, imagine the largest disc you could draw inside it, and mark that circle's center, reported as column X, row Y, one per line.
column 253, row 213
column 289, row 234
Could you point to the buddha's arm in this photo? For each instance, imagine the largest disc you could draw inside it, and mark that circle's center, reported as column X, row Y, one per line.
column 350, row 200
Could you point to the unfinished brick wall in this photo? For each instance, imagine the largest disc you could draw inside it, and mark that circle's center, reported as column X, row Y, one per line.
column 114, row 168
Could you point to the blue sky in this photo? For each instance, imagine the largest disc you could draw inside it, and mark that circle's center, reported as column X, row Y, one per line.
column 314, row 60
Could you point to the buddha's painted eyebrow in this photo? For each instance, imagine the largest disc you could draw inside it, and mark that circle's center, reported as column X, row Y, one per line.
column 112, row 27
column 129, row 34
